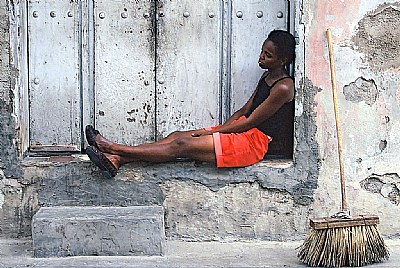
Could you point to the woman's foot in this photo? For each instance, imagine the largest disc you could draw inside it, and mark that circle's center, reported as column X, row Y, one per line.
column 104, row 145
column 95, row 139
column 108, row 164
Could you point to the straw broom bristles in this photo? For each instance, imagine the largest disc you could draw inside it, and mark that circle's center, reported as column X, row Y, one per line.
column 343, row 246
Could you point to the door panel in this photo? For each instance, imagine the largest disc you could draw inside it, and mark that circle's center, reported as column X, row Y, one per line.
column 54, row 75
column 125, row 70
column 251, row 20
column 146, row 84
column 188, row 64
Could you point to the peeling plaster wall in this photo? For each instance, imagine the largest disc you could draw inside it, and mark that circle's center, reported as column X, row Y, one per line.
column 366, row 50
column 266, row 201
column 14, row 207
column 197, row 212
column 281, row 192
column 8, row 155
column 201, row 202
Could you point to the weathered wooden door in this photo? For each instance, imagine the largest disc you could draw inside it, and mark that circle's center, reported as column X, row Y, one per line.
column 189, row 43
column 150, row 67
column 125, row 70
column 251, row 22
column 54, row 75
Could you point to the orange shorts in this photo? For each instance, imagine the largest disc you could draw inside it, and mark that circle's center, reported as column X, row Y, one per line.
column 240, row 149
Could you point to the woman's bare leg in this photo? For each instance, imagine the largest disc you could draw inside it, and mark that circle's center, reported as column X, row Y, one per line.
column 104, row 143
column 196, row 148
column 177, row 135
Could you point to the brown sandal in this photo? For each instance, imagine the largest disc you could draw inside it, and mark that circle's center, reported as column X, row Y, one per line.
column 101, row 161
column 91, row 133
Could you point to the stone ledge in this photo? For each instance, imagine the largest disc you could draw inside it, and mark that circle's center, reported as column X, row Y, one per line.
column 83, row 158
column 98, row 231
column 84, row 184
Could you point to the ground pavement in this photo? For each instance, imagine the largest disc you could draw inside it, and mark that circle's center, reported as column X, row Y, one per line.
column 18, row 253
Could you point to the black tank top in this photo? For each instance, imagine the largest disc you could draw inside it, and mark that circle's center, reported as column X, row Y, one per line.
column 280, row 125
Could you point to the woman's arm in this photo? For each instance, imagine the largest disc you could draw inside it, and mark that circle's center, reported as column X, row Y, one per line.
column 242, row 111
column 282, row 92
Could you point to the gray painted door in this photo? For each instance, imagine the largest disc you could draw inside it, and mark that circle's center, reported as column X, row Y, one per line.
column 158, row 66
column 188, row 64
column 54, row 75
column 251, row 20
column 125, row 70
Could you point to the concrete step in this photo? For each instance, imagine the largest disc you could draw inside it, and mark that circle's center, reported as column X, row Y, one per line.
column 98, row 231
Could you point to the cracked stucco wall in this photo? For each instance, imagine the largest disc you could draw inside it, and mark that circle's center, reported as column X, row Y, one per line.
column 266, row 201
column 366, row 35
column 386, row 185
column 14, row 204
column 201, row 202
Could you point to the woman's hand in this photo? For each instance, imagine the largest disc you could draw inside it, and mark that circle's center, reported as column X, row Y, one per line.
column 202, row 133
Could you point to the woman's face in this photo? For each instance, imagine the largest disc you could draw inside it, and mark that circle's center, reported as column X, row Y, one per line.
column 268, row 57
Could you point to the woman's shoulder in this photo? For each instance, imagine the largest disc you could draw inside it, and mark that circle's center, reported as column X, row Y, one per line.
column 284, row 87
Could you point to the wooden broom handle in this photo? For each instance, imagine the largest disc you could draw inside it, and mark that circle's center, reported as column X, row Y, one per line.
column 337, row 119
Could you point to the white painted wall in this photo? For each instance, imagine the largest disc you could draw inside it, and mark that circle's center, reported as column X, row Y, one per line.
column 364, row 126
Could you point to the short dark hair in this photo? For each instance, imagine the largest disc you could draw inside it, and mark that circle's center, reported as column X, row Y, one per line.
column 285, row 44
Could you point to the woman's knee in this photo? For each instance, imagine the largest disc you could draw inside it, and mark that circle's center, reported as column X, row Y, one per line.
column 180, row 146
column 176, row 134
column 181, row 142
column 193, row 148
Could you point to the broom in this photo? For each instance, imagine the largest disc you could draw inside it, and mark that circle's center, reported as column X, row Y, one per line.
column 342, row 240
